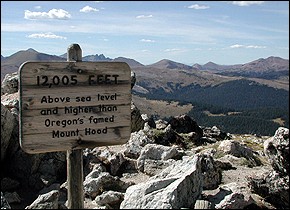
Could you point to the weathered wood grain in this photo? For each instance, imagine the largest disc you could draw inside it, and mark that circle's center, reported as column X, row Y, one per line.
column 87, row 85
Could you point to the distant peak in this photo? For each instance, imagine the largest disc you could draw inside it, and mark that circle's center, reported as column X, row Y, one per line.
column 31, row 50
column 210, row 63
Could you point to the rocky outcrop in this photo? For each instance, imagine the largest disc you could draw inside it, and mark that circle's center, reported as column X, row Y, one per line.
column 274, row 185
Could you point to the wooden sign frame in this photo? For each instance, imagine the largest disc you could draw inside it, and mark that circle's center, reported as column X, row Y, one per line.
column 74, row 105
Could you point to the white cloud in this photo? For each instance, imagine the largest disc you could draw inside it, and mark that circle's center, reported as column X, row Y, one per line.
column 246, row 3
column 37, row 7
column 255, row 47
column 172, row 50
column 247, row 46
column 51, row 14
column 147, row 40
column 48, row 35
column 237, row 46
column 144, row 16
column 196, row 6
column 87, row 9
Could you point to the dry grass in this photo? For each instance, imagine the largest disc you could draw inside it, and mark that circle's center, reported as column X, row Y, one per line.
column 160, row 108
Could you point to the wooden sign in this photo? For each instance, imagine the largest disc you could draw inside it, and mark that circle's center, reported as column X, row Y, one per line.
column 74, row 105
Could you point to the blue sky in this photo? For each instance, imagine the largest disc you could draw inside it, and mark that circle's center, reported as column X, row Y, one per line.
column 224, row 32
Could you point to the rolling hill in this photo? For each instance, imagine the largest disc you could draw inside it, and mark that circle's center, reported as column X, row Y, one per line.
column 12, row 63
column 269, row 68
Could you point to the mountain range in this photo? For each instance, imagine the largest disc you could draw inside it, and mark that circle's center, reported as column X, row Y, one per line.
column 257, row 92
column 262, row 66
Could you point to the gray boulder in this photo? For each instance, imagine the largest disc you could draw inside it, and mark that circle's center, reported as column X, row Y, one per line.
column 8, row 124
column 137, row 122
column 4, row 202
column 46, row 201
column 177, row 186
column 155, row 152
column 236, row 149
column 10, row 83
column 274, row 185
column 277, row 150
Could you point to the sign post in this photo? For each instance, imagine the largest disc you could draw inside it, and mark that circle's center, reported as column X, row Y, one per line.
column 74, row 158
column 69, row 106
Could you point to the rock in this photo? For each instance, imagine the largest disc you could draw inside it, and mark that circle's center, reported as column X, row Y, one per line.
column 149, row 120
column 137, row 123
column 94, row 186
column 136, row 142
column 46, row 201
column 133, row 79
column 12, row 197
column 11, row 101
column 110, row 198
column 166, row 136
column 8, row 184
column 273, row 187
column 215, row 134
column 277, row 150
column 236, row 149
column 8, row 124
column 230, row 196
column 212, row 175
column 112, row 161
column 177, row 186
column 4, row 203
column 184, row 124
column 153, row 167
column 155, row 152
column 10, row 83
column 161, row 124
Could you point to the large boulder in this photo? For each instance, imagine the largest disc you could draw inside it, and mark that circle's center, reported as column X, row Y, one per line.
column 8, row 124
column 230, row 196
column 155, row 152
column 10, row 83
column 184, row 124
column 135, row 144
column 177, row 186
column 96, row 183
column 274, row 185
column 239, row 150
column 46, row 201
column 137, row 122
column 277, row 150
column 4, row 203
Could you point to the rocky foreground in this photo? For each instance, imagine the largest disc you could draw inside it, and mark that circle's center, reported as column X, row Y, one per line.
column 165, row 165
